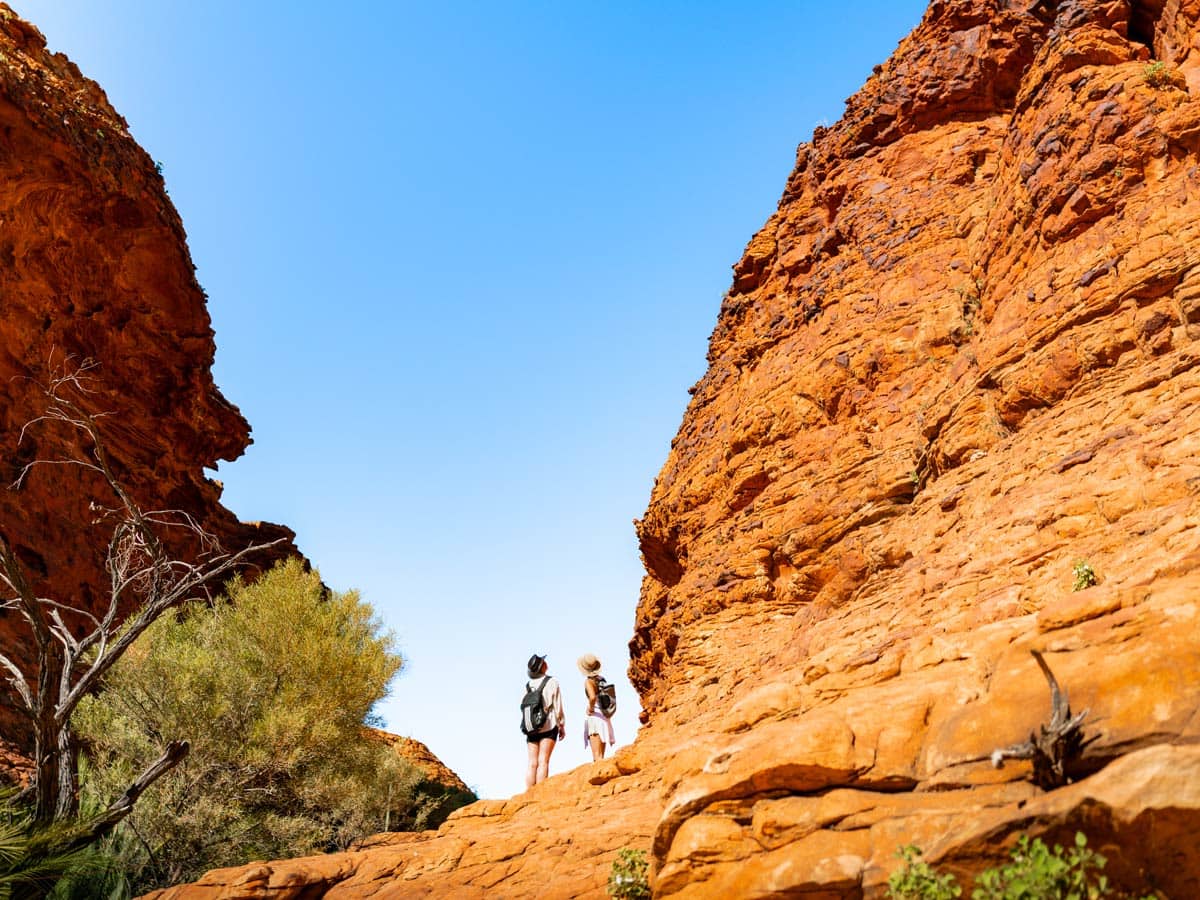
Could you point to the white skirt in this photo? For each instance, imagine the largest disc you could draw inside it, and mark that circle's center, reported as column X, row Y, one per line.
column 598, row 724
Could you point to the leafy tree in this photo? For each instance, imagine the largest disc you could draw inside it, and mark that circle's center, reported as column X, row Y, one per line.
column 272, row 689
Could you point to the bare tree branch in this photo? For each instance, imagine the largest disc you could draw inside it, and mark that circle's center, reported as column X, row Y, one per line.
column 144, row 579
column 175, row 753
column 145, row 617
column 17, row 679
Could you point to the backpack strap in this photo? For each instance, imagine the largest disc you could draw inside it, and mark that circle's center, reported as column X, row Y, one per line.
column 542, row 697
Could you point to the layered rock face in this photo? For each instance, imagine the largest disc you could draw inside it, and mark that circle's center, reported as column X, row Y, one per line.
column 960, row 359
column 94, row 267
column 957, row 370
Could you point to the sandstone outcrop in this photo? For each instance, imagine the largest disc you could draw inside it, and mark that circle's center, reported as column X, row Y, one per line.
column 437, row 791
column 958, row 361
column 422, row 757
column 94, row 266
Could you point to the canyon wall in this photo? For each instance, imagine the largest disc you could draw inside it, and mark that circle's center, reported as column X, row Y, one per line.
column 956, row 372
column 958, row 363
column 95, row 271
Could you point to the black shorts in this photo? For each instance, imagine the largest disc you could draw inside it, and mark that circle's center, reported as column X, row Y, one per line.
column 540, row 736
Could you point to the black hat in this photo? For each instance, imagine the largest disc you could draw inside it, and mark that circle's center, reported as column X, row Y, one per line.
column 534, row 666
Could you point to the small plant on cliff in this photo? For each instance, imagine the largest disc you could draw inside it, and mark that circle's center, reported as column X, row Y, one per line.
column 918, row 881
column 1158, row 74
column 1038, row 872
column 629, row 878
column 971, row 297
column 1085, row 576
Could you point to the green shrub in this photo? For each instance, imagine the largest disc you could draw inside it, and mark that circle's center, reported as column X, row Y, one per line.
column 1039, row 873
column 272, row 689
column 1158, row 74
column 1085, row 575
column 918, row 881
column 33, row 857
column 1035, row 872
column 629, row 878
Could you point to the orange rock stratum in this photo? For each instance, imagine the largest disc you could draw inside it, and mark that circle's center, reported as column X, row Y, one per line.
column 957, row 361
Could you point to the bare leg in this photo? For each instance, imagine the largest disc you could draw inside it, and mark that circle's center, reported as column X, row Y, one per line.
column 597, row 743
column 531, row 768
column 544, row 748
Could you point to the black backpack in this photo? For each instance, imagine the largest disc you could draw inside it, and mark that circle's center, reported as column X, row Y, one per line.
column 606, row 696
column 533, row 708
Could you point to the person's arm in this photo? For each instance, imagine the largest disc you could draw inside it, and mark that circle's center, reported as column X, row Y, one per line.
column 559, row 712
column 589, row 688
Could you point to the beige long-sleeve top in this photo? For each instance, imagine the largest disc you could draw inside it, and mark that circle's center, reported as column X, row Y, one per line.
column 552, row 700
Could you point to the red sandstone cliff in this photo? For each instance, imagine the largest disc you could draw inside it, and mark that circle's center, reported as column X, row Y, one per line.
column 960, row 358
column 94, row 266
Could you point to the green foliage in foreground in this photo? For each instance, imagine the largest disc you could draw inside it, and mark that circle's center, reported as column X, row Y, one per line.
column 1035, row 872
column 918, row 880
column 54, row 861
column 32, row 859
column 272, row 690
column 629, row 878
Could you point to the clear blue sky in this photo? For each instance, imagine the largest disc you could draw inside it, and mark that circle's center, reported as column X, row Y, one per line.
column 463, row 260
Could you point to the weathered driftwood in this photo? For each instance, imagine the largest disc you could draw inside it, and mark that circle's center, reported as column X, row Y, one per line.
column 1056, row 744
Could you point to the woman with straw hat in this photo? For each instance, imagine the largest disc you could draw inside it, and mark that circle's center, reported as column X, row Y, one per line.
column 597, row 727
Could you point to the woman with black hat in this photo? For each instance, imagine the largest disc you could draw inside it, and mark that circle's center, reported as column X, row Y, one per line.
column 541, row 743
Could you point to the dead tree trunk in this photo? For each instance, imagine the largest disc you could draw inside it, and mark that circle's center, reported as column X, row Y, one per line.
column 1055, row 744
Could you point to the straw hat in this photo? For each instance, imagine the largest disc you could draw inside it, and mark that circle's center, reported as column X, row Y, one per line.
column 588, row 664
